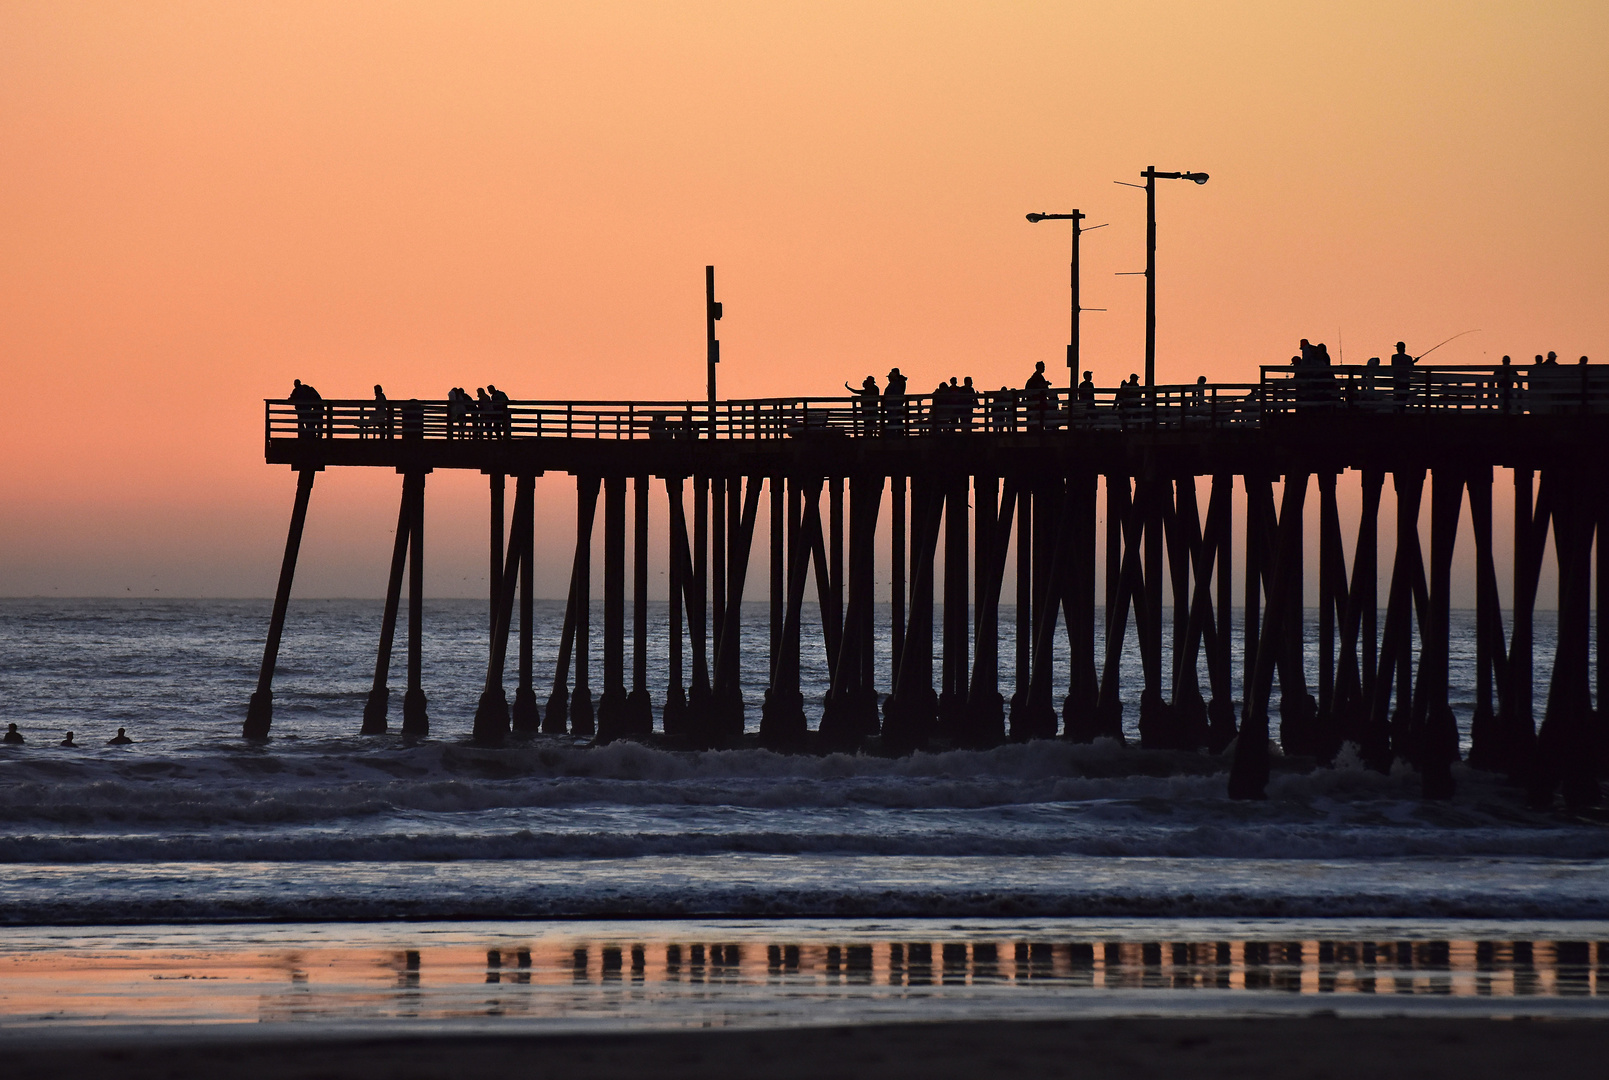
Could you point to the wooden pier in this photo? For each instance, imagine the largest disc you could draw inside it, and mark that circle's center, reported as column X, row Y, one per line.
column 1029, row 466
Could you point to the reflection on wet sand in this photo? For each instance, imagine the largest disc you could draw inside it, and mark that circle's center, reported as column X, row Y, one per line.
column 576, row 977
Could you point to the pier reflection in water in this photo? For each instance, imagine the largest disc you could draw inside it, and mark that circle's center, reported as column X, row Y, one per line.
column 633, row 975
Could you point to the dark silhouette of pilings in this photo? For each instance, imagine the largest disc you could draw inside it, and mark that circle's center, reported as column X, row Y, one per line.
column 524, row 716
column 415, row 714
column 679, row 576
column 639, row 706
column 374, row 712
column 612, row 703
column 567, row 711
column 492, row 724
column 260, row 713
column 1170, row 537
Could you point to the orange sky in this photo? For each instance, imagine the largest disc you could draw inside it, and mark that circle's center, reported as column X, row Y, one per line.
column 202, row 201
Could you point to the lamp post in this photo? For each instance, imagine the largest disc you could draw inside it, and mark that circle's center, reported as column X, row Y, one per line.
column 712, row 312
column 1072, row 341
column 1151, row 177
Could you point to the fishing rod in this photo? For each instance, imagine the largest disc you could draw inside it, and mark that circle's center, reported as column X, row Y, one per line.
column 1455, row 337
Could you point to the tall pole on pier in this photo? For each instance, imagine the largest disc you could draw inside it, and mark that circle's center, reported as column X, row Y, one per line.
column 1072, row 340
column 712, row 314
column 1151, row 176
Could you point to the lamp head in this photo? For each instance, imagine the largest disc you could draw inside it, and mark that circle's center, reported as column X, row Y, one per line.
column 1198, row 177
column 1036, row 217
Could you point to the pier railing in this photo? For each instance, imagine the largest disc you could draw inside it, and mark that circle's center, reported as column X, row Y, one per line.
column 912, row 416
column 1281, row 391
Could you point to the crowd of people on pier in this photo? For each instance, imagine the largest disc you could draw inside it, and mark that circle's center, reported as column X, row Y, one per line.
column 487, row 415
column 1401, row 385
column 956, row 406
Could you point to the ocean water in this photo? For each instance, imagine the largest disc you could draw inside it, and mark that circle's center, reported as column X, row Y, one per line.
column 190, row 823
column 193, row 878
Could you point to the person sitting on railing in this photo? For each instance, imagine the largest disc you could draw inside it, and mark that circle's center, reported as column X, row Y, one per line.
column 309, row 413
column 894, row 403
column 866, row 404
column 1036, row 394
column 502, row 420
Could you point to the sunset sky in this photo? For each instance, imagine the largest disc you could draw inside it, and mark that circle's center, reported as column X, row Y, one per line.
column 201, row 202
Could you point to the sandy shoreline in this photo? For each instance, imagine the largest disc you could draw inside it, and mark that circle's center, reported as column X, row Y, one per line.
column 1317, row 1046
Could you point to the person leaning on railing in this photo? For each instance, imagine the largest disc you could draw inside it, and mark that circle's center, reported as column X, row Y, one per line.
column 894, row 403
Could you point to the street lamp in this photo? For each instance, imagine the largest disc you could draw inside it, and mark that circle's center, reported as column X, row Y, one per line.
column 1072, row 342
column 1151, row 177
column 712, row 347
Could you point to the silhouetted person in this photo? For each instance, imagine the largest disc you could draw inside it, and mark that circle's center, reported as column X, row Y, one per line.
column 1505, row 385
column 966, row 402
column 482, row 412
column 458, row 406
column 894, row 402
column 938, row 412
column 308, row 411
column 378, row 419
column 68, row 741
column 1401, row 375
column 13, row 737
column 1086, row 390
column 1128, row 399
column 120, row 739
column 1036, row 391
column 502, row 417
column 866, row 403
column 1003, row 409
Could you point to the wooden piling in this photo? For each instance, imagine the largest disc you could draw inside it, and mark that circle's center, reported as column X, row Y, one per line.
column 1436, row 742
column 1248, row 775
column 260, row 711
column 1025, row 606
column 678, row 572
column 582, row 723
column 374, row 712
column 910, row 714
column 1566, row 751
column 612, row 703
column 957, row 616
column 1221, row 709
column 782, row 719
column 525, row 718
column 1078, row 604
column 496, row 481
column 491, row 726
column 415, row 710
column 897, row 542
column 985, row 711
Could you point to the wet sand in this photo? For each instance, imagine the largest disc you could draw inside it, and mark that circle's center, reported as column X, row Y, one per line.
column 1126, row 1049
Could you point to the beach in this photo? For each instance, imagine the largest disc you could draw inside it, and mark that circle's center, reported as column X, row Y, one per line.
column 1122, row 1049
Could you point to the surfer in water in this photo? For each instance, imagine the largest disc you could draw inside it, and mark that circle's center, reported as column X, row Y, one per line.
column 120, row 739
